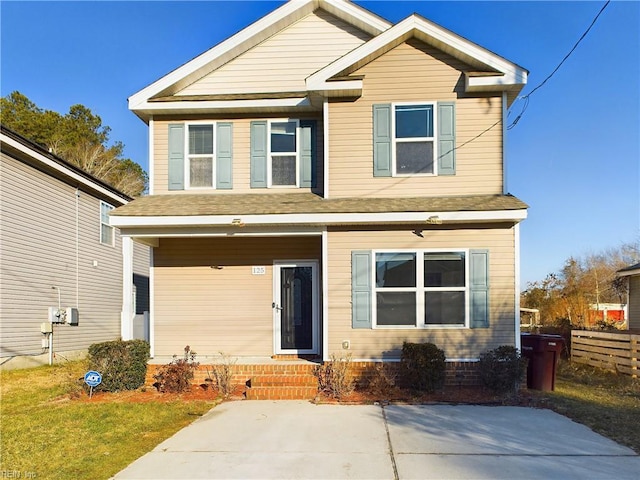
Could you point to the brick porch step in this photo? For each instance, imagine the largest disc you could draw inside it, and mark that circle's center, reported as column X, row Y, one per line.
column 280, row 380
column 281, row 393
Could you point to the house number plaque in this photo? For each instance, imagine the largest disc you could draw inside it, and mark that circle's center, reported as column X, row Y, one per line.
column 258, row 270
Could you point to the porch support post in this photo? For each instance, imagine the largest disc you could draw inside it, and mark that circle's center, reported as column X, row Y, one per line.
column 325, row 296
column 126, row 322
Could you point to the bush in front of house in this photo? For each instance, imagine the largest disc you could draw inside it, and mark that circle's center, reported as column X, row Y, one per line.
column 423, row 366
column 334, row 377
column 176, row 376
column 502, row 369
column 122, row 364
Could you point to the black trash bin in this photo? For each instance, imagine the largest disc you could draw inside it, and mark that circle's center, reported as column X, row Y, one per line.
column 543, row 352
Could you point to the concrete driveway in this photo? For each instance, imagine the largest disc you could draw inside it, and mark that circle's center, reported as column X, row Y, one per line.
column 299, row 440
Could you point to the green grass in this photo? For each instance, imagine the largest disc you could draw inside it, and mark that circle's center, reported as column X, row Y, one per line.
column 603, row 401
column 47, row 433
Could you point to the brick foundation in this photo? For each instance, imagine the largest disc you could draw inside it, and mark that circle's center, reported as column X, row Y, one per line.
column 295, row 381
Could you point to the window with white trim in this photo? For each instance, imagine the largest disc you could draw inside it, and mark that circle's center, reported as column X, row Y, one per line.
column 200, row 158
column 421, row 289
column 106, row 230
column 284, row 153
column 414, row 139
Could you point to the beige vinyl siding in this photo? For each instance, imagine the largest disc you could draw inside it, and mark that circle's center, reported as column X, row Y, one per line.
column 207, row 297
column 241, row 157
column 634, row 301
column 284, row 61
column 461, row 343
column 38, row 250
column 414, row 72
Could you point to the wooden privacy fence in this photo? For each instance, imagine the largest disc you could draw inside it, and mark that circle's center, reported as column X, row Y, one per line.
column 617, row 352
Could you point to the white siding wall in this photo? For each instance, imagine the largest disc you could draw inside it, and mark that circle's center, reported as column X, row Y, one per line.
column 38, row 250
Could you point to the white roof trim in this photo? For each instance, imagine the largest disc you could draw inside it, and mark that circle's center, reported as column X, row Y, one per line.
column 224, row 104
column 435, row 35
column 628, row 273
column 315, row 218
column 255, row 33
column 62, row 169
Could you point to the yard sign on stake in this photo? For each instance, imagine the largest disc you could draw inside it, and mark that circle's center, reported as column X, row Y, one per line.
column 93, row 379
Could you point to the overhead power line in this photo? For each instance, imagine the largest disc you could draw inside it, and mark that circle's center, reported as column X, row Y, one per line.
column 528, row 95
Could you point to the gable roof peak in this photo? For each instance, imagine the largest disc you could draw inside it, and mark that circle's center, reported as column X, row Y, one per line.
column 249, row 37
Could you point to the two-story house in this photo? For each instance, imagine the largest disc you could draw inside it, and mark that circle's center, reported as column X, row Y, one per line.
column 324, row 182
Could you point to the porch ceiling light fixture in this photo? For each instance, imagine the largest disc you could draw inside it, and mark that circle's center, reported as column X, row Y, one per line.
column 237, row 222
column 434, row 220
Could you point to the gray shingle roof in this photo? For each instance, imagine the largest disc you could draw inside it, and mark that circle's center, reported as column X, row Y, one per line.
column 306, row 203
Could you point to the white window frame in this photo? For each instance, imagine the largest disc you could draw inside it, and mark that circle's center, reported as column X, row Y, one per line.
column 420, row 289
column 188, row 156
column 106, row 224
column 270, row 154
column 395, row 140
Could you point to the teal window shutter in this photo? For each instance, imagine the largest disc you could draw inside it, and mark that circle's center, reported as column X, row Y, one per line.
column 446, row 138
column 479, row 288
column 382, row 140
column 361, row 279
column 259, row 154
column 308, row 153
column 224, row 156
column 176, row 156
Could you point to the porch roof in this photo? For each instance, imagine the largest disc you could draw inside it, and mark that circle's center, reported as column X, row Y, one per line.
column 186, row 205
column 292, row 210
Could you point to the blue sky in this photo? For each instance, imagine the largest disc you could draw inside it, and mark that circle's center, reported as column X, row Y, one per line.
column 574, row 157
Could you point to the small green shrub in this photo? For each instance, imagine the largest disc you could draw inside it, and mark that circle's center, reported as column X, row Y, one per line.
column 176, row 376
column 502, row 369
column 334, row 377
column 423, row 366
column 123, row 364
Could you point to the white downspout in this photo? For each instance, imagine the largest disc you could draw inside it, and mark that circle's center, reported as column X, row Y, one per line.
column 516, row 241
column 151, row 162
column 325, row 148
column 77, row 248
column 152, row 328
column 505, row 187
column 325, row 295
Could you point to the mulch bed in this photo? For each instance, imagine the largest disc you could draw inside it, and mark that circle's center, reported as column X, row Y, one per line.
column 447, row 395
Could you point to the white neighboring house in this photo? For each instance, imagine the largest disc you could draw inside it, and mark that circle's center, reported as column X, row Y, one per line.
column 57, row 249
column 632, row 273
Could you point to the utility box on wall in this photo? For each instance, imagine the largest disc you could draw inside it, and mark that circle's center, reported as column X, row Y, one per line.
column 71, row 315
column 67, row 315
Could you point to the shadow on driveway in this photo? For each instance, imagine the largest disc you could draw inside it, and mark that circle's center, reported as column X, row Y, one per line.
column 299, row 440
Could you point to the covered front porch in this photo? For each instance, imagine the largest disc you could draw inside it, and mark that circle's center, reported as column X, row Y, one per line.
column 248, row 295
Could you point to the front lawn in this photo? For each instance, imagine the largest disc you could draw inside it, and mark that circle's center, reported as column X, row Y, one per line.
column 50, row 431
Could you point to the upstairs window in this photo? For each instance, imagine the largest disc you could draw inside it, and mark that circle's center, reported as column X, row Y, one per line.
column 106, row 230
column 414, row 139
column 200, row 164
column 283, row 153
column 200, row 155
